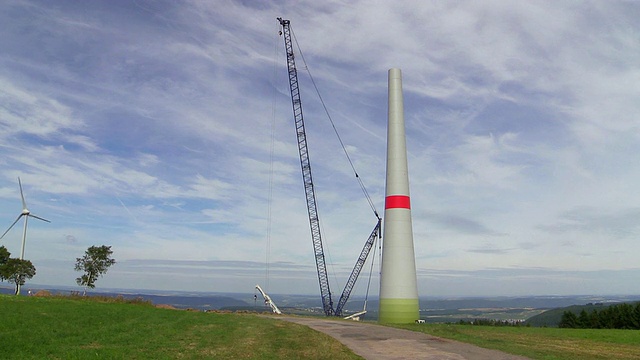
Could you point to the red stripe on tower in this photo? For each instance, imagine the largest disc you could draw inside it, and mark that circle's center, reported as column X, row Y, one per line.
column 397, row 202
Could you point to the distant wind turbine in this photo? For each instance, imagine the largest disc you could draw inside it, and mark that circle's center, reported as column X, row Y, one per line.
column 26, row 213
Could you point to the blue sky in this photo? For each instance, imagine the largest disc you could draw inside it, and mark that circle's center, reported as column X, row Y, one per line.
column 164, row 129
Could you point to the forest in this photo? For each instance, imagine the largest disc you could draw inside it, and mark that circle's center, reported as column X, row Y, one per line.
column 621, row 316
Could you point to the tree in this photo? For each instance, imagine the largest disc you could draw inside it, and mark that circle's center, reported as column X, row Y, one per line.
column 95, row 263
column 583, row 320
column 4, row 257
column 17, row 271
column 569, row 320
column 636, row 317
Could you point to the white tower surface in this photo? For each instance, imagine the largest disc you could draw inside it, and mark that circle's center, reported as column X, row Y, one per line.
column 398, row 283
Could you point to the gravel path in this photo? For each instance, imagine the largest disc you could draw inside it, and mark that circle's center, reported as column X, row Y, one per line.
column 373, row 341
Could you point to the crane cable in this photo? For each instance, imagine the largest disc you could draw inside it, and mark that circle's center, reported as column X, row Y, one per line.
column 364, row 189
column 271, row 154
column 366, row 297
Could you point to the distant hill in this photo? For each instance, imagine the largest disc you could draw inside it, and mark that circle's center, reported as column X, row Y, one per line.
column 432, row 309
column 435, row 304
column 210, row 302
column 180, row 300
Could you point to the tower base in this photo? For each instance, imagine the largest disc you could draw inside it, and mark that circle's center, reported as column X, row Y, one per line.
column 398, row 311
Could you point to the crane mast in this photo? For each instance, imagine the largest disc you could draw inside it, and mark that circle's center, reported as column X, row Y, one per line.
column 314, row 223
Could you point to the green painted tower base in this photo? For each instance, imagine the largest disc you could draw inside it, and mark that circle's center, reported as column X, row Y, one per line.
column 398, row 311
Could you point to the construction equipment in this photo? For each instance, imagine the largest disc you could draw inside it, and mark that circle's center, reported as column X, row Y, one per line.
column 323, row 279
column 268, row 301
column 351, row 282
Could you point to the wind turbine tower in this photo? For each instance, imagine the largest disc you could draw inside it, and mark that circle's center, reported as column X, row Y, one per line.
column 26, row 213
column 398, row 281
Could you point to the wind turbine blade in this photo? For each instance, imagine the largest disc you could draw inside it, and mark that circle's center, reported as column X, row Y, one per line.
column 5, row 233
column 39, row 218
column 24, row 204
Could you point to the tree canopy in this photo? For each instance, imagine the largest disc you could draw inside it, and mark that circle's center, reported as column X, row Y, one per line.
column 95, row 263
column 4, row 256
column 17, row 271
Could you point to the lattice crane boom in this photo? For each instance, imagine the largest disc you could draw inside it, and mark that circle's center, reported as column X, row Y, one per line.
column 351, row 282
column 314, row 223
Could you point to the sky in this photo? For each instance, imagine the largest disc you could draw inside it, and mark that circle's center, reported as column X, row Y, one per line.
column 164, row 130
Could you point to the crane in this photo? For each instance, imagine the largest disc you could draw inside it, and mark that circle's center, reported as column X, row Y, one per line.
column 312, row 209
column 351, row 282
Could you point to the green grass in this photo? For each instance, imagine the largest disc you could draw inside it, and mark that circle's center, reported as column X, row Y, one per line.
column 543, row 343
column 65, row 328
column 111, row 328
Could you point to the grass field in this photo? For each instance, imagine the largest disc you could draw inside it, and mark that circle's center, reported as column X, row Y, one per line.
column 63, row 328
column 58, row 328
column 543, row 343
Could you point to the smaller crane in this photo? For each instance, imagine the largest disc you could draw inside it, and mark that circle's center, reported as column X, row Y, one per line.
column 268, row 301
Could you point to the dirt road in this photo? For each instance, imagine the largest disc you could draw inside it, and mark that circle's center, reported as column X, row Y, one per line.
column 373, row 341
